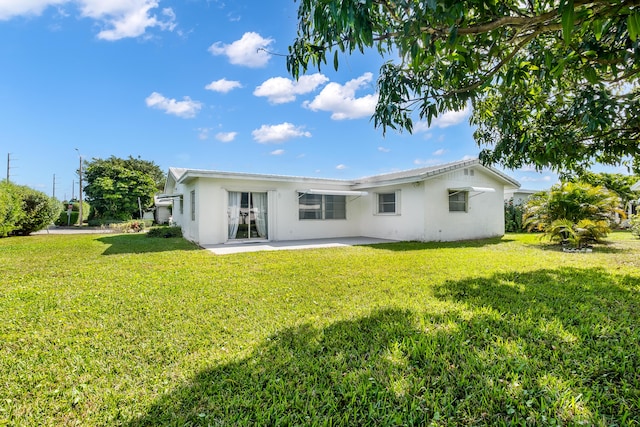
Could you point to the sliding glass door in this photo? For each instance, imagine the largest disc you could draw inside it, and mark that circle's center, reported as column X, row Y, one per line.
column 247, row 215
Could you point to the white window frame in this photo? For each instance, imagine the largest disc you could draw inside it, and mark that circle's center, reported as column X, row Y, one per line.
column 459, row 202
column 376, row 208
column 323, row 207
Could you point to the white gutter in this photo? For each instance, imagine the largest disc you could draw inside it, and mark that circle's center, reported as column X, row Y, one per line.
column 474, row 189
column 334, row 192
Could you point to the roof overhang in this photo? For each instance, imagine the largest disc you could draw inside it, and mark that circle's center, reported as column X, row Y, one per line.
column 334, row 192
column 167, row 196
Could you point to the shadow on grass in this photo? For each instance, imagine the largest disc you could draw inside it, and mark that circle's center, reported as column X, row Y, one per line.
column 545, row 347
column 141, row 243
column 420, row 246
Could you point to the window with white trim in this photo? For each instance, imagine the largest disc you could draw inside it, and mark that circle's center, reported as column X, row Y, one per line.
column 387, row 203
column 458, row 201
column 193, row 205
column 322, row 206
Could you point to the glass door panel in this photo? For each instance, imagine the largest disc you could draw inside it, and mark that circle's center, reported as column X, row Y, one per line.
column 247, row 216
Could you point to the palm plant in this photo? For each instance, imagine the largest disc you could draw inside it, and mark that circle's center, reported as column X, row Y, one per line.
column 572, row 213
column 577, row 235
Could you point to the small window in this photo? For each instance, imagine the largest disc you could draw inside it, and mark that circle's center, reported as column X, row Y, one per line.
column 458, row 201
column 181, row 205
column 386, row 203
column 322, row 206
column 193, row 205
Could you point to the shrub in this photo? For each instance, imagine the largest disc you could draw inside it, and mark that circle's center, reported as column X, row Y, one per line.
column 513, row 216
column 10, row 208
column 64, row 219
column 577, row 235
column 40, row 211
column 128, row 227
column 560, row 212
column 635, row 225
column 171, row 231
column 24, row 210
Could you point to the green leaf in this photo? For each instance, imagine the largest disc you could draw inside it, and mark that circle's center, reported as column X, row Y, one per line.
column 453, row 35
column 335, row 60
column 590, row 75
column 633, row 24
column 568, row 21
column 597, row 28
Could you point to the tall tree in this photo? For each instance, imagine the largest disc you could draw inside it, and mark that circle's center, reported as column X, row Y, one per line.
column 114, row 186
column 552, row 83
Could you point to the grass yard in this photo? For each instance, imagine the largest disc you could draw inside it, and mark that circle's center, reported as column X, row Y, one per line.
column 127, row 330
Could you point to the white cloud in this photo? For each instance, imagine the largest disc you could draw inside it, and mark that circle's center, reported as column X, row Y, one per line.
column 278, row 133
column 223, row 85
column 469, row 157
column 226, row 136
column 203, row 133
column 341, row 101
column 450, row 118
column 185, row 109
column 341, row 167
column 280, row 89
column 120, row 18
column 384, row 149
column 439, row 152
column 277, row 152
column 13, row 8
column 249, row 51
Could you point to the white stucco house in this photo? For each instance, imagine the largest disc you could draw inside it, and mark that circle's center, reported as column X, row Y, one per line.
column 455, row 201
column 519, row 195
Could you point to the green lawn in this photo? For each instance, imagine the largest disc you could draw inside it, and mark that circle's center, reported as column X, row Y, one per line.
column 128, row 330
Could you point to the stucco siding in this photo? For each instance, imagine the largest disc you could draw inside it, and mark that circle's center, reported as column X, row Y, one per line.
column 422, row 204
column 485, row 212
column 405, row 224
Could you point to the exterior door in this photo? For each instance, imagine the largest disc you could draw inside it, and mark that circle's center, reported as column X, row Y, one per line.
column 248, row 216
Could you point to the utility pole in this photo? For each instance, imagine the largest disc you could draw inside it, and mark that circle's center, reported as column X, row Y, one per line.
column 80, row 191
column 8, row 165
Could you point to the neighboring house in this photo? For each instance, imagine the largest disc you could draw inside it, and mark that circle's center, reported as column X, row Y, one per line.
column 519, row 195
column 161, row 210
column 455, row 201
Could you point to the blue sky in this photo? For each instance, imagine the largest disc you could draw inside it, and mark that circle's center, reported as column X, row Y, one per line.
column 195, row 84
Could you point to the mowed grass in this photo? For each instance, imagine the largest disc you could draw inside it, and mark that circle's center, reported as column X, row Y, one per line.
column 127, row 330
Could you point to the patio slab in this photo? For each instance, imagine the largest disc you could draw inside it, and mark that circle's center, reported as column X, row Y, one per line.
column 234, row 248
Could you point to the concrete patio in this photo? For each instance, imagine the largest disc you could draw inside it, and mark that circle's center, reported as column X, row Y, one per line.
column 248, row 246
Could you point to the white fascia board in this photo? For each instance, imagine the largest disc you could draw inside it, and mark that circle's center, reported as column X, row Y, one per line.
column 193, row 173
